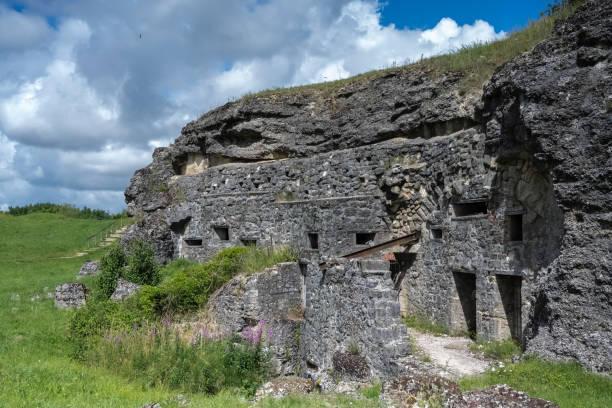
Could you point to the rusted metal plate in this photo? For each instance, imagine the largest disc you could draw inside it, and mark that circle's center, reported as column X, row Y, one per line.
column 405, row 240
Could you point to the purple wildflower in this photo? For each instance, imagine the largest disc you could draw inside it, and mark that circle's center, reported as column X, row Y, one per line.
column 118, row 339
column 135, row 327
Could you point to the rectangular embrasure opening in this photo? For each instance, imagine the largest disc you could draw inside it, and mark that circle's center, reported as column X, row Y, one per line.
column 193, row 241
column 364, row 238
column 471, row 208
column 248, row 242
column 436, row 233
column 313, row 240
column 515, row 227
column 222, row 233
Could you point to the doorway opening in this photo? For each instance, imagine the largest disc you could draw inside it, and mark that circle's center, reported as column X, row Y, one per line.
column 510, row 292
column 463, row 312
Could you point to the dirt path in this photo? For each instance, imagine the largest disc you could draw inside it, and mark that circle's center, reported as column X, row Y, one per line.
column 451, row 354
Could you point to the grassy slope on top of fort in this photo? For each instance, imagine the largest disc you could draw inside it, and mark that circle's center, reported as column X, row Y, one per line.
column 476, row 62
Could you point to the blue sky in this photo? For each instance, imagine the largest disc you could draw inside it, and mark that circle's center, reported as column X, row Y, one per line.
column 89, row 88
column 503, row 15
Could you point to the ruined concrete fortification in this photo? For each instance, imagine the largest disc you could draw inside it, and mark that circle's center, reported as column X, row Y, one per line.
column 508, row 190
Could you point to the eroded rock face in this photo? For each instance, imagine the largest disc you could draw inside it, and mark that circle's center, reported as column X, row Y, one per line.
column 553, row 104
column 71, row 295
column 89, row 268
column 124, row 290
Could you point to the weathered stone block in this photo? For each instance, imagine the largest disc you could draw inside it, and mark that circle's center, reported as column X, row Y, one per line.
column 71, row 295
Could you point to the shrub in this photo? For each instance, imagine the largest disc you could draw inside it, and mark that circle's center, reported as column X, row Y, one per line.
column 187, row 285
column 111, row 266
column 141, row 265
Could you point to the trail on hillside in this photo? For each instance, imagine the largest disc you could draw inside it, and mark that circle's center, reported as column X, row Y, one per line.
column 451, row 354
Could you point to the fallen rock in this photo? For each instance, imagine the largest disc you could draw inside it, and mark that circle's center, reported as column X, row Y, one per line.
column 283, row 386
column 502, row 396
column 71, row 295
column 413, row 390
column 416, row 390
column 124, row 290
column 350, row 365
column 89, row 268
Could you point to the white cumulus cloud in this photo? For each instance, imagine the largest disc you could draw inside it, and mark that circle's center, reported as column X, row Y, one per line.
column 83, row 102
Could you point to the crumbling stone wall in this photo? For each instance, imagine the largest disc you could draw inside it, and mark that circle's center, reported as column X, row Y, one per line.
column 408, row 153
column 353, row 301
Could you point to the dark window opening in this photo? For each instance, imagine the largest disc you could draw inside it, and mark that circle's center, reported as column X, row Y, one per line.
column 466, row 209
column 364, row 238
column 222, row 233
column 248, row 242
column 193, row 241
column 313, row 239
column 515, row 227
column 436, row 233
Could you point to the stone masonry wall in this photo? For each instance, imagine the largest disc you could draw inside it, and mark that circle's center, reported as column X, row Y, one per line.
column 353, row 301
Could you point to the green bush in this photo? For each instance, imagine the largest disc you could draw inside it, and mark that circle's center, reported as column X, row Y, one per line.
column 141, row 265
column 138, row 266
column 188, row 285
column 111, row 266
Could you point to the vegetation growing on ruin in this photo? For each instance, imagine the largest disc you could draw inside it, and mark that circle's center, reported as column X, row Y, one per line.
column 499, row 350
column 475, row 62
column 566, row 384
column 424, row 325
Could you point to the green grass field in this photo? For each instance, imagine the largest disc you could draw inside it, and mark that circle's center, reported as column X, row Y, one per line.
column 35, row 367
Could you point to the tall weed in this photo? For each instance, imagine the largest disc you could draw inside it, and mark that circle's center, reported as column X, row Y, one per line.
column 159, row 357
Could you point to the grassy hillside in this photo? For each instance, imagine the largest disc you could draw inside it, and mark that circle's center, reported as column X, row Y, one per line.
column 35, row 367
column 34, row 363
column 475, row 62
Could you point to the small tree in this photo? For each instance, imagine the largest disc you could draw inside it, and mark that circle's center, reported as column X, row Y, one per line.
column 141, row 265
column 111, row 265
